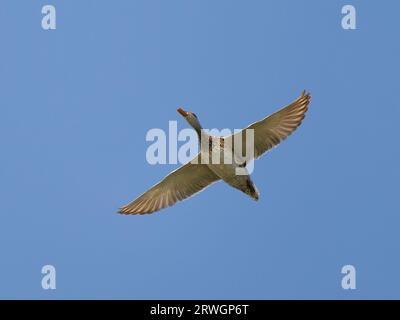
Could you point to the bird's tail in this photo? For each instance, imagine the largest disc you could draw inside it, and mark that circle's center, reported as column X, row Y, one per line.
column 252, row 190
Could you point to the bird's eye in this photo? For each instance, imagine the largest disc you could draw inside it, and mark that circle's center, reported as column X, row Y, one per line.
column 194, row 115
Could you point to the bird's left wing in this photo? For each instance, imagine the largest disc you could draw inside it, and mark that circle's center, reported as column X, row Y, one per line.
column 178, row 185
column 271, row 130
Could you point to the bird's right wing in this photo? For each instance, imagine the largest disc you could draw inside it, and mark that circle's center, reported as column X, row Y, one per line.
column 178, row 185
column 271, row 130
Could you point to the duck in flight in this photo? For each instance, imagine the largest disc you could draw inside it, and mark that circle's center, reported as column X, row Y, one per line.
column 197, row 174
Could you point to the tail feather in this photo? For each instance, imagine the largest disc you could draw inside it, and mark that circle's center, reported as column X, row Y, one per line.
column 253, row 192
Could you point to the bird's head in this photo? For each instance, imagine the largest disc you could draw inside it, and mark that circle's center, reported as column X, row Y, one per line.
column 191, row 118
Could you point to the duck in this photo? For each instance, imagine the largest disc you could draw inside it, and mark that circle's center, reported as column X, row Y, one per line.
column 202, row 171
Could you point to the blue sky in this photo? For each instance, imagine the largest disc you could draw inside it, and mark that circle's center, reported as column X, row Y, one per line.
column 77, row 102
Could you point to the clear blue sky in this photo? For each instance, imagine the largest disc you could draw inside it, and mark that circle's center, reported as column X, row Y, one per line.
column 76, row 104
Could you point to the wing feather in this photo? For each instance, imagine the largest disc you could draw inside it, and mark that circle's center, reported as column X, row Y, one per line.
column 273, row 129
column 178, row 185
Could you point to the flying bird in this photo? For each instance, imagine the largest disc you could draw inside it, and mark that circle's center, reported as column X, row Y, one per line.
column 198, row 174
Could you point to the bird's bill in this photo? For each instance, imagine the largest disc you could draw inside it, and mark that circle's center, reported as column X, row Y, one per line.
column 182, row 112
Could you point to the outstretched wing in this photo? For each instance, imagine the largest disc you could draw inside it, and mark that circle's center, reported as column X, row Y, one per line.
column 178, row 185
column 271, row 130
